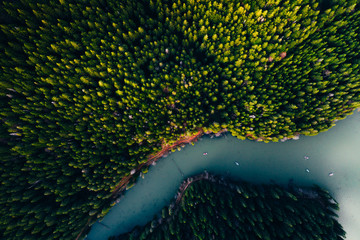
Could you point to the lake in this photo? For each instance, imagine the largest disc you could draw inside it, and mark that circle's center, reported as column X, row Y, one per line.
column 331, row 160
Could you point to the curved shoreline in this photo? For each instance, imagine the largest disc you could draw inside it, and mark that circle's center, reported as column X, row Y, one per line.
column 121, row 186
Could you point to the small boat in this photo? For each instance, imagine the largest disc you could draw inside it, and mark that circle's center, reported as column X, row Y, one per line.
column 331, row 174
column 307, row 170
column 306, row 157
column 205, row 153
column 236, row 163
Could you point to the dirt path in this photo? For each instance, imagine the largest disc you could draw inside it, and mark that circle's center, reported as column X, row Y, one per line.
column 152, row 158
column 83, row 229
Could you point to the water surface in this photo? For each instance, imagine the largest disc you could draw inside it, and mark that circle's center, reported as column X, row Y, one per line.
column 335, row 151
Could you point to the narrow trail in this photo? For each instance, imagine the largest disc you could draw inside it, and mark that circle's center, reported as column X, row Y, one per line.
column 153, row 158
column 83, row 229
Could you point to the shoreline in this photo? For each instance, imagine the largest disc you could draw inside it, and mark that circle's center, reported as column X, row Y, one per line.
column 153, row 158
column 164, row 152
column 186, row 140
column 118, row 190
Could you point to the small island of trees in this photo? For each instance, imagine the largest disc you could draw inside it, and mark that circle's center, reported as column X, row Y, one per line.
column 213, row 208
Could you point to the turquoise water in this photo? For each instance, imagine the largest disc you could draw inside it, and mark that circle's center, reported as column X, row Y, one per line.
column 335, row 151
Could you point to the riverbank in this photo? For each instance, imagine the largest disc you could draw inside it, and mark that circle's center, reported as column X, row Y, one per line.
column 166, row 148
column 153, row 158
column 121, row 186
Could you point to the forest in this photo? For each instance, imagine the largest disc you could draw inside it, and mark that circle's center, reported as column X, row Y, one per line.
column 213, row 208
column 89, row 89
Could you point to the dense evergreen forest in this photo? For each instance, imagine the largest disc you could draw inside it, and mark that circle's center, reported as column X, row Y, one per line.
column 208, row 210
column 90, row 88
